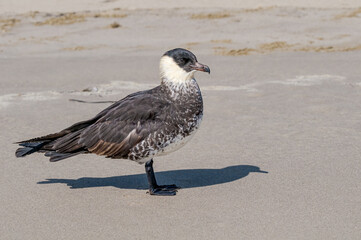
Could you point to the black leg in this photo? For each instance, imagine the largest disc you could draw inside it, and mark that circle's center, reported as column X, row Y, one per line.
column 154, row 188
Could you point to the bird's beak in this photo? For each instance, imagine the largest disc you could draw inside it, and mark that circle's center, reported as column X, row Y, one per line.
column 200, row 67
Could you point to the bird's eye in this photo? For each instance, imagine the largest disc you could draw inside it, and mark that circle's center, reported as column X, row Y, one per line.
column 185, row 60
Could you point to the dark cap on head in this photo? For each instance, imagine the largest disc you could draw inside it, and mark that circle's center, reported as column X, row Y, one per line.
column 186, row 60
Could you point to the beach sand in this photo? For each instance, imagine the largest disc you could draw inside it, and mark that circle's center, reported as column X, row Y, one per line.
column 283, row 96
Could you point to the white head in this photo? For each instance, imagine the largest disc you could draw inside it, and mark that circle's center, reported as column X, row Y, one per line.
column 178, row 66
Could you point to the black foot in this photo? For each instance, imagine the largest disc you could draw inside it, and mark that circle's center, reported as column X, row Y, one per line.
column 164, row 190
column 170, row 187
column 154, row 188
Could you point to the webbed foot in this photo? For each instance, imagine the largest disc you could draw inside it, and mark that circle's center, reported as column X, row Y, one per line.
column 164, row 190
column 154, row 188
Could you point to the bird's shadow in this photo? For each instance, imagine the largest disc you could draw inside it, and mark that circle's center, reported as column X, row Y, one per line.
column 185, row 178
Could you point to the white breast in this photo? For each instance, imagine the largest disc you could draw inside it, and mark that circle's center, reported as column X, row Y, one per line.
column 176, row 144
column 168, row 146
column 179, row 141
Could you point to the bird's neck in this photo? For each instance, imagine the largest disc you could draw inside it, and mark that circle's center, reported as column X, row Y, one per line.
column 179, row 88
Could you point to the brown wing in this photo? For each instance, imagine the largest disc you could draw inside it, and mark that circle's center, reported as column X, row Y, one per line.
column 112, row 138
column 112, row 132
column 125, row 125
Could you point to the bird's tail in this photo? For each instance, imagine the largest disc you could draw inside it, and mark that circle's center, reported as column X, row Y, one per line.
column 36, row 144
column 29, row 148
column 58, row 145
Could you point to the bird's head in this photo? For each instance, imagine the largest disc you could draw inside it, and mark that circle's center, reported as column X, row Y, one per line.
column 179, row 65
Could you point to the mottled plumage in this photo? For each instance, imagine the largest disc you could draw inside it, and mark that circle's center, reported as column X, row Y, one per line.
column 140, row 126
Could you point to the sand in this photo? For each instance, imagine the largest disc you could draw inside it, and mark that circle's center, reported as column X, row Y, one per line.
column 283, row 97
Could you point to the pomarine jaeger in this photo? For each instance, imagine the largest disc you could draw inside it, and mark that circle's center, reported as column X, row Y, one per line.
column 139, row 127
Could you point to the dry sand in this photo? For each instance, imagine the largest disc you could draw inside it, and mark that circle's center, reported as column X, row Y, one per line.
column 283, row 97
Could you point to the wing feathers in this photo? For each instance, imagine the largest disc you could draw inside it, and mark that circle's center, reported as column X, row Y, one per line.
column 116, row 150
column 55, row 156
column 113, row 132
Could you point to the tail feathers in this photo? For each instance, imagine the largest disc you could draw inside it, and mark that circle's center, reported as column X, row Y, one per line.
column 47, row 138
column 57, row 150
column 55, row 156
column 74, row 128
column 28, row 148
column 22, row 152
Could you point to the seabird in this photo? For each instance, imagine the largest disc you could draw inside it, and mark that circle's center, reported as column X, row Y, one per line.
column 139, row 127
